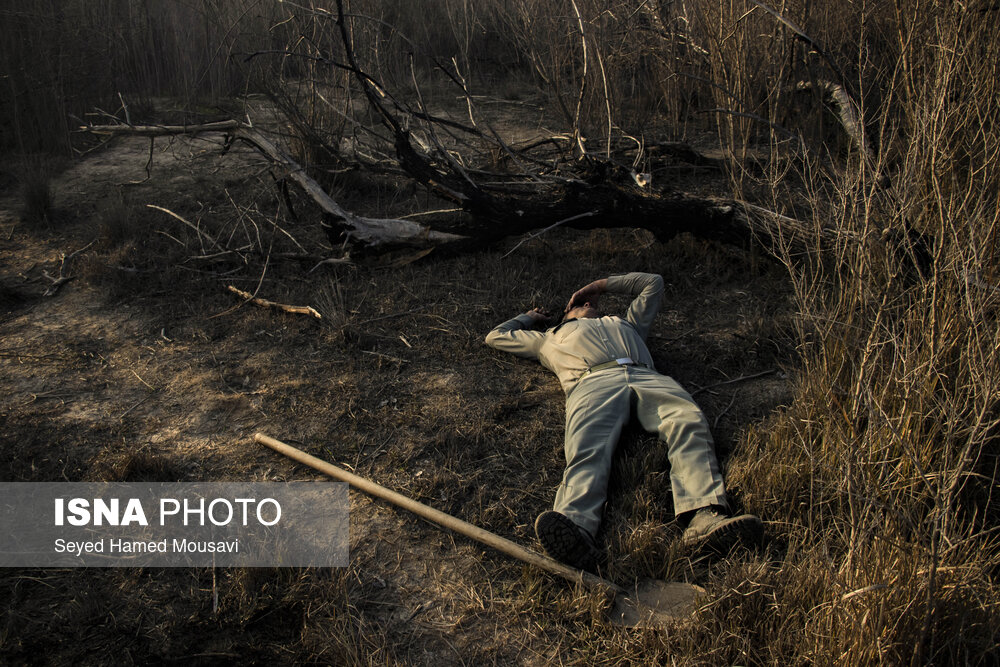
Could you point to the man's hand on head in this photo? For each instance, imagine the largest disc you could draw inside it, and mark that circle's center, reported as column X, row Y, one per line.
column 587, row 294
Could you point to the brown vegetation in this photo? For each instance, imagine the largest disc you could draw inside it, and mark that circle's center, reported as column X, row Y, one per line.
column 871, row 454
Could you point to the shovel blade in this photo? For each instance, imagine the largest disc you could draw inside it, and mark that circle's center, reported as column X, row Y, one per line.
column 655, row 603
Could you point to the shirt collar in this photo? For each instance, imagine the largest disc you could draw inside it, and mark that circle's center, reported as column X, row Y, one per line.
column 557, row 327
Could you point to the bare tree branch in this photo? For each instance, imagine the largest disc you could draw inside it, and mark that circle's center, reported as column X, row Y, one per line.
column 369, row 231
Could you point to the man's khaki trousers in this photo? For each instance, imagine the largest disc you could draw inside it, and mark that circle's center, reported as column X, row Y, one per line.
column 597, row 409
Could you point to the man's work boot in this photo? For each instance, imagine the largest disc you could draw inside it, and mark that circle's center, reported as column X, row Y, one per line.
column 711, row 529
column 566, row 542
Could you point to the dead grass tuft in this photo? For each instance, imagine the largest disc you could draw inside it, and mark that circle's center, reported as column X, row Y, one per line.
column 37, row 201
column 119, row 222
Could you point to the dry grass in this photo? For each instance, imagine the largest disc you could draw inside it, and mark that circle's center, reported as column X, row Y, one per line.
column 401, row 388
column 877, row 477
column 887, row 457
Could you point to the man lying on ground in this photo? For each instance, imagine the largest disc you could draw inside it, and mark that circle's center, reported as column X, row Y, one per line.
column 607, row 374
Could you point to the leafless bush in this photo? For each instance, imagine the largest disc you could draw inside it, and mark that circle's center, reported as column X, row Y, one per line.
column 881, row 472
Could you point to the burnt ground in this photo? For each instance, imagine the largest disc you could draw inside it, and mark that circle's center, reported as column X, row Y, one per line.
column 144, row 367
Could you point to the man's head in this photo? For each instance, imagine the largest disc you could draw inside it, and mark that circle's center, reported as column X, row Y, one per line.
column 581, row 311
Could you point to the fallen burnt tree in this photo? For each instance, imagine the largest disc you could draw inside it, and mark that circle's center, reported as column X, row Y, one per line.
column 501, row 188
column 602, row 196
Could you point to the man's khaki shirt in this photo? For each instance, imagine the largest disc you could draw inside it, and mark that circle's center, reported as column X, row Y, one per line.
column 574, row 346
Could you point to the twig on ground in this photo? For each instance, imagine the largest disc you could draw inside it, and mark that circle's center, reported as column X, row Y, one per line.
column 260, row 282
column 124, row 414
column 734, row 380
column 436, row 212
column 57, row 283
column 722, row 414
column 53, row 394
column 200, row 233
column 141, row 380
column 74, row 254
column 330, row 260
column 149, row 163
column 384, row 356
column 299, row 310
column 391, row 315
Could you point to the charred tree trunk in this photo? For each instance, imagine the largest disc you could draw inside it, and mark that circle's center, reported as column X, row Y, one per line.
column 601, row 198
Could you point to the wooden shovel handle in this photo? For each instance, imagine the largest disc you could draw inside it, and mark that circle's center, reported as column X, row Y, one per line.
column 446, row 520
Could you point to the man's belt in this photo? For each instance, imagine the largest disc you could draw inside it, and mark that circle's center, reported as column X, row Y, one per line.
column 621, row 361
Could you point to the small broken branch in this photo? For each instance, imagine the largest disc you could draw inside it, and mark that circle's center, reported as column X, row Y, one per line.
column 62, row 278
column 149, row 163
column 331, row 261
column 298, row 310
column 161, row 130
column 57, row 283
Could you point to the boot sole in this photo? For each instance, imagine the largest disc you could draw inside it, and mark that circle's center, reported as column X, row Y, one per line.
column 561, row 539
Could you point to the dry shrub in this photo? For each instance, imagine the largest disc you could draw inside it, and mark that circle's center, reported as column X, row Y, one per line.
column 331, row 304
column 879, row 477
column 119, row 221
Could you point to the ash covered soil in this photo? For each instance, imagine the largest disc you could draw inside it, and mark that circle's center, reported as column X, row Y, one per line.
column 145, row 367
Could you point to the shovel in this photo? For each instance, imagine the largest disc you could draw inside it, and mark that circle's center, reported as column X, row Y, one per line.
column 648, row 603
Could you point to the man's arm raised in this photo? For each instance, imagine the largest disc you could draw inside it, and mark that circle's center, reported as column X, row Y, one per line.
column 647, row 288
column 517, row 336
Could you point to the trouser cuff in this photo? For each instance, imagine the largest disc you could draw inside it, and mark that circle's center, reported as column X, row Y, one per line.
column 686, row 505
